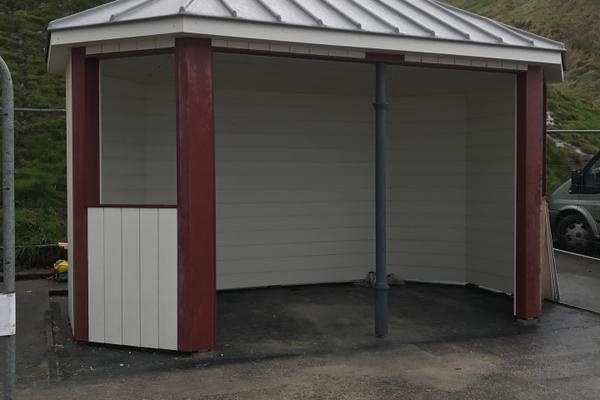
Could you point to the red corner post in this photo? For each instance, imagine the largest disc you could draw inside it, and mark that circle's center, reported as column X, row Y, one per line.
column 86, row 175
column 530, row 173
column 196, row 266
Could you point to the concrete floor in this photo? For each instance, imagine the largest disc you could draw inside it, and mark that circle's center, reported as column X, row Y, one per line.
column 579, row 280
column 316, row 342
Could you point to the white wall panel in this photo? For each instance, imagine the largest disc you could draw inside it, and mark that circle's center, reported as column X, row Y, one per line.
column 113, row 282
column 427, row 168
column 149, row 300
column 167, row 278
column 138, row 130
column 133, row 276
column 491, row 150
column 96, row 277
column 295, row 171
column 295, row 168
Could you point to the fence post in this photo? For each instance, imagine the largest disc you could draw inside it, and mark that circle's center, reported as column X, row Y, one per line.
column 8, row 226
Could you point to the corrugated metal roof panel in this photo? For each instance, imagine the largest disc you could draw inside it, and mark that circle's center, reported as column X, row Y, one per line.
column 414, row 18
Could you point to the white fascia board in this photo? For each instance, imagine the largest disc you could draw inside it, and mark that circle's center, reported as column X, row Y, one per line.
column 62, row 41
column 8, row 314
column 551, row 60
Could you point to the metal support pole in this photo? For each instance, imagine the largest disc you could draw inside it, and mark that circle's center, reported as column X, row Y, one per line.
column 381, row 285
column 8, row 221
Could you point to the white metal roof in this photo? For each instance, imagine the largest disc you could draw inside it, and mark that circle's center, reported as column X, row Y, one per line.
column 426, row 20
column 415, row 18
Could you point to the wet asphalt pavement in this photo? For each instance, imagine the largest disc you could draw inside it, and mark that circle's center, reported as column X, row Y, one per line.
column 316, row 342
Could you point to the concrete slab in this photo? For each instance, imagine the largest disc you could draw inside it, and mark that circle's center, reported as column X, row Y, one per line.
column 316, row 342
column 579, row 280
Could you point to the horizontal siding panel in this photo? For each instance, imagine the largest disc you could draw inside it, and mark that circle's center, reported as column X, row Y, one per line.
column 297, row 277
column 451, row 261
column 274, row 250
column 427, row 190
column 295, row 195
column 282, row 264
column 266, row 168
column 305, row 222
column 138, row 130
column 229, row 210
column 322, row 234
column 450, row 247
column 491, row 189
column 428, row 273
column 295, row 175
column 291, row 140
column 295, row 183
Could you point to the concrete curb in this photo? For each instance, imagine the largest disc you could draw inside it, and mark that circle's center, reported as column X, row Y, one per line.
column 31, row 275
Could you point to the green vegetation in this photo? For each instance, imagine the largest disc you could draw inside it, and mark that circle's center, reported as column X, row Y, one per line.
column 40, row 138
column 574, row 104
column 40, row 153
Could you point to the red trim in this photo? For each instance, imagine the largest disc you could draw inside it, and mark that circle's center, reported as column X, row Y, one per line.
column 530, row 156
column 370, row 58
column 86, row 176
column 460, row 68
column 544, row 116
column 92, row 109
column 196, row 266
column 267, row 53
column 132, row 53
column 385, row 58
column 132, row 206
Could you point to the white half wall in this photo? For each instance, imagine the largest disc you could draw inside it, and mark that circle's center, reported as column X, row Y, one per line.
column 132, row 282
column 138, row 132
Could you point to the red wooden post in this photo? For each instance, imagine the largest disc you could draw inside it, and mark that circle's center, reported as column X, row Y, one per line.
column 196, row 266
column 86, row 176
column 530, row 164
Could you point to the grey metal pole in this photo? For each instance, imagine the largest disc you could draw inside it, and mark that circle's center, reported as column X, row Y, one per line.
column 8, row 221
column 381, row 285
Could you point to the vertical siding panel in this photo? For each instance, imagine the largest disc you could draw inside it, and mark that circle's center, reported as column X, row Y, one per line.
column 131, row 277
column 149, row 278
column 96, row 274
column 167, row 278
column 113, row 271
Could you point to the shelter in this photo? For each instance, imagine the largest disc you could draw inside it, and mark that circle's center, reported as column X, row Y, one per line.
column 222, row 144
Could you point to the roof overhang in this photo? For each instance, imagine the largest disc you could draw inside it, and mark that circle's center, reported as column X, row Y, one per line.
column 61, row 41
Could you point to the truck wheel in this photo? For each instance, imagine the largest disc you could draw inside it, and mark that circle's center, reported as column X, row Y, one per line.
column 574, row 234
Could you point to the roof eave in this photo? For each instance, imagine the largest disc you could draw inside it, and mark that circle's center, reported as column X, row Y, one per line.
column 178, row 25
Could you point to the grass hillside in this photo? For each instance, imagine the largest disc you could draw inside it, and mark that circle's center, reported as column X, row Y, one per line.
column 40, row 153
column 574, row 104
